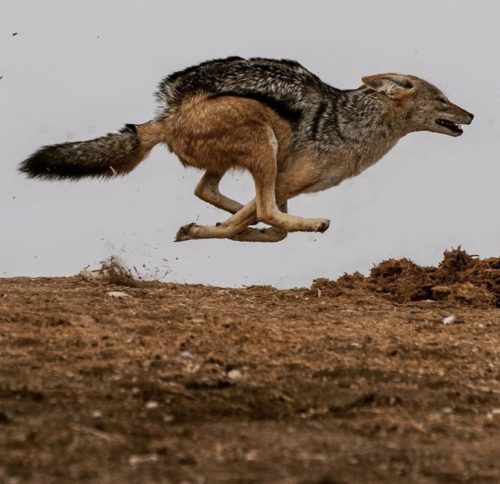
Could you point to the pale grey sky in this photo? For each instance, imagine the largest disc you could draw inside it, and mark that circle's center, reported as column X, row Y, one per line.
column 79, row 69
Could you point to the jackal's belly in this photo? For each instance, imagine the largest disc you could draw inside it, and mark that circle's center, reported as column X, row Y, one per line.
column 332, row 171
column 324, row 183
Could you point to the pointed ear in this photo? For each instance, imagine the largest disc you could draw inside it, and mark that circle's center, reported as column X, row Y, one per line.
column 392, row 85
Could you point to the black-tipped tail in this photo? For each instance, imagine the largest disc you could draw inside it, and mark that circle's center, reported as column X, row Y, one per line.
column 114, row 154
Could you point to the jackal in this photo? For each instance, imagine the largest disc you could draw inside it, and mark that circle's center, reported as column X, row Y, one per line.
column 293, row 132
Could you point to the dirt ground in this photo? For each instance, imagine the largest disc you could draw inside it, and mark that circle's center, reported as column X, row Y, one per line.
column 358, row 380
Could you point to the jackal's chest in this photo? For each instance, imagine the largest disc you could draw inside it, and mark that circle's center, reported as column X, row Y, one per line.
column 333, row 169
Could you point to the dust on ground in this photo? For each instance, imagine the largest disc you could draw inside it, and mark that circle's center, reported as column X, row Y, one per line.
column 107, row 379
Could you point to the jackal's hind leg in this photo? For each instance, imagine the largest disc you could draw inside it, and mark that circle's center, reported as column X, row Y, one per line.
column 226, row 230
column 208, row 191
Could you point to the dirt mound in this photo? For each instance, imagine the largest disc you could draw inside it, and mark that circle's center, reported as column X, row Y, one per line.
column 459, row 278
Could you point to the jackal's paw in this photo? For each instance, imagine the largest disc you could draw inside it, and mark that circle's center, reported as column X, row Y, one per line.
column 184, row 233
column 322, row 225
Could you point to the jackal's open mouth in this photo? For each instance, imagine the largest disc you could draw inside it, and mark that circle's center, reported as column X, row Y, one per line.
column 450, row 125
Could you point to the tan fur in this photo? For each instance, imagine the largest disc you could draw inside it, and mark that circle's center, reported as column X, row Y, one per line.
column 219, row 134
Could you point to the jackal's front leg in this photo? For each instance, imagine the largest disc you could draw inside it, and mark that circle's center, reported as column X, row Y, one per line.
column 270, row 234
column 265, row 174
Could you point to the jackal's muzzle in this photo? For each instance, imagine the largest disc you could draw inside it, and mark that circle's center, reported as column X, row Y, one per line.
column 450, row 123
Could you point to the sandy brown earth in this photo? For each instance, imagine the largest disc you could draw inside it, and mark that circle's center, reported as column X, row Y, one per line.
column 357, row 380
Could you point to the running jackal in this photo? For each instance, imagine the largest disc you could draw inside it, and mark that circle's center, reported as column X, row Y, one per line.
column 290, row 130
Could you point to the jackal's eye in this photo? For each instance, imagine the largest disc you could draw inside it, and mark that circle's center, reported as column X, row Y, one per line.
column 441, row 99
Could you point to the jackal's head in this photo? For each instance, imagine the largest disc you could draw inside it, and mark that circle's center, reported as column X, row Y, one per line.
column 422, row 106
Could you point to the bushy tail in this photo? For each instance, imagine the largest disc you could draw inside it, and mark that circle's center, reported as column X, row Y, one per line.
column 110, row 155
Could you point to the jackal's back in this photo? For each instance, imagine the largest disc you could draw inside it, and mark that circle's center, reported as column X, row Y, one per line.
column 284, row 85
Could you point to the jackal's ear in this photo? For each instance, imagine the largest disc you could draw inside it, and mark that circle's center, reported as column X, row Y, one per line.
column 392, row 85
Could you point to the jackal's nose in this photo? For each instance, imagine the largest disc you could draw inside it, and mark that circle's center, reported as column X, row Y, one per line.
column 471, row 117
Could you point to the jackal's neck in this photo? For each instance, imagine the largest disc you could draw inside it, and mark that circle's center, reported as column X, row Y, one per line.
column 364, row 116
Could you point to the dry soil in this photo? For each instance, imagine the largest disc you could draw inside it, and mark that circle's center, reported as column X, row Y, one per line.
column 357, row 380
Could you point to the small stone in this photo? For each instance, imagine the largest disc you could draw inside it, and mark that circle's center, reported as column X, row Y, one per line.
column 117, row 294
column 449, row 319
column 134, row 460
column 151, row 405
column 235, row 375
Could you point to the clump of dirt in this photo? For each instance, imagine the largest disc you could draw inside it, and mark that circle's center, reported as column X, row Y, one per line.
column 112, row 271
column 459, row 278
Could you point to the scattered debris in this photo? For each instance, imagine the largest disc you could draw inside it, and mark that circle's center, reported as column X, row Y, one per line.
column 112, row 271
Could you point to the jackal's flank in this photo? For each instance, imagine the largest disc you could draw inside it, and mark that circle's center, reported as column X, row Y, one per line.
column 290, row 130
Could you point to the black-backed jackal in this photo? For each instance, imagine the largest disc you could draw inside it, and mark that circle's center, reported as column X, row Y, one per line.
column 290, row 130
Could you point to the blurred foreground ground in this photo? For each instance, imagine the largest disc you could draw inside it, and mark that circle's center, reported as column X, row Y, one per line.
column 357, row 380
